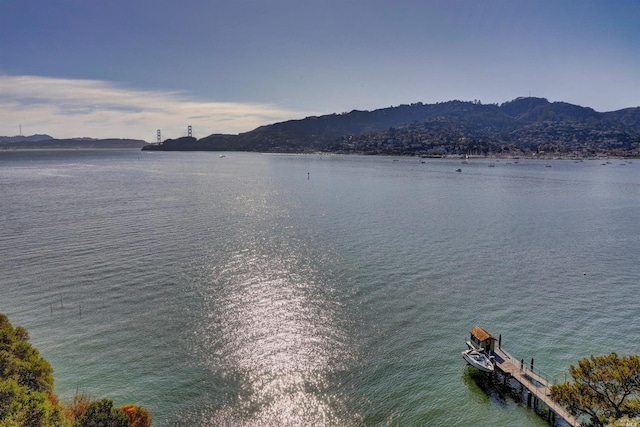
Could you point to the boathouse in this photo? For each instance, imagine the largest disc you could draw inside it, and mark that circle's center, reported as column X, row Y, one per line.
column 526, row 382
column 482, row 339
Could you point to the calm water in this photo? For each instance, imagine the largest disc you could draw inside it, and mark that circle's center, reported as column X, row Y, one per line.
column 262, row 290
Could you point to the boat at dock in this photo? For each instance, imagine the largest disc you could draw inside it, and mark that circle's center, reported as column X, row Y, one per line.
column 531, row 384
column 472, row 346
column 478, row 359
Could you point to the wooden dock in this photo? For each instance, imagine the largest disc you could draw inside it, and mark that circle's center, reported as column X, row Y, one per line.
column 530, row 383
column 538, row 389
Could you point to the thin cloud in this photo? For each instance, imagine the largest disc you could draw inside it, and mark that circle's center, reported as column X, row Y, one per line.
column 66, row 108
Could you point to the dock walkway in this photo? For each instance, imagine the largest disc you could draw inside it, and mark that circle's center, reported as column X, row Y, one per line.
column 537, row 386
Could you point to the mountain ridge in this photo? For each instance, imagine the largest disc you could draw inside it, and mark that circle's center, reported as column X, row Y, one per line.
column 524, row 126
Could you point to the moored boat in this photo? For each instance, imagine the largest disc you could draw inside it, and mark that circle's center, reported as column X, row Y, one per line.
column 478, row 359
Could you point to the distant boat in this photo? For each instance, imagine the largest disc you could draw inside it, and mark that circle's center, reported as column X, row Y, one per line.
column 222, row 155
column 466, row 159
column 478, row 360
column 458, row 170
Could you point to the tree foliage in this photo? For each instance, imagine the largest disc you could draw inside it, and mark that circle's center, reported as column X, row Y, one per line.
column 26, row 382
column 73, row 410
column 101, row 413
column 605, row 388
column 27, row 398
column 625, row 422
column 138, row 416
column 22, row 362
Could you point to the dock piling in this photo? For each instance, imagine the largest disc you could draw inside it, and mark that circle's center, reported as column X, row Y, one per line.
column 528, row 382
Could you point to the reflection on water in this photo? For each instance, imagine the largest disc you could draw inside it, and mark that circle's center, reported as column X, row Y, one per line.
column 240, row 292
column 274, row 326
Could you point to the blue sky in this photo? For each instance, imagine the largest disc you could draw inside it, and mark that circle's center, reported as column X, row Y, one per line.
column 124, row 68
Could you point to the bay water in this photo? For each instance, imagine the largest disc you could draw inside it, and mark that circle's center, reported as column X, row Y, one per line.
column 255, row 290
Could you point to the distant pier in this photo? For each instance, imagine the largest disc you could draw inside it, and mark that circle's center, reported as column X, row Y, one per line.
column 531, row 385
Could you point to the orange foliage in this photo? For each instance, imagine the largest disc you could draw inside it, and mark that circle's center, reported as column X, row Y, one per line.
column 138, row 416
column 75, row 409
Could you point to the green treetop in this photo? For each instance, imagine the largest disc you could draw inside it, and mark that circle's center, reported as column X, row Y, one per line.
column 27, row 398
column 605, row 389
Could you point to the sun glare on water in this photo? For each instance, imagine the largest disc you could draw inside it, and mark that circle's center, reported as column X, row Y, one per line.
column 275, row 329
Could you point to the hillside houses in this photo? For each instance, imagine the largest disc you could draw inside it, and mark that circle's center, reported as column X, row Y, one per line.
column 546, row 139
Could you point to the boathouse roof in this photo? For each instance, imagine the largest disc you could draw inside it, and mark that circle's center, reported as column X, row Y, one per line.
column 481, row 334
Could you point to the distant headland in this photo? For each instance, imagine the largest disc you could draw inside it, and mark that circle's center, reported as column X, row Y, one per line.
column 523, row 127
column 43, row 141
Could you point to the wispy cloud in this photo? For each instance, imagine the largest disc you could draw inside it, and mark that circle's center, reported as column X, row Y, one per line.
column 66, row 108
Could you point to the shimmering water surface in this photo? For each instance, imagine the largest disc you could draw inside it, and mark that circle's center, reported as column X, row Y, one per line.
column 316, row 290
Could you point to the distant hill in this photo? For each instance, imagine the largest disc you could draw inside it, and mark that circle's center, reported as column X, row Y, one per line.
column 48, row 142
column 523, row 126
column 22, row 138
